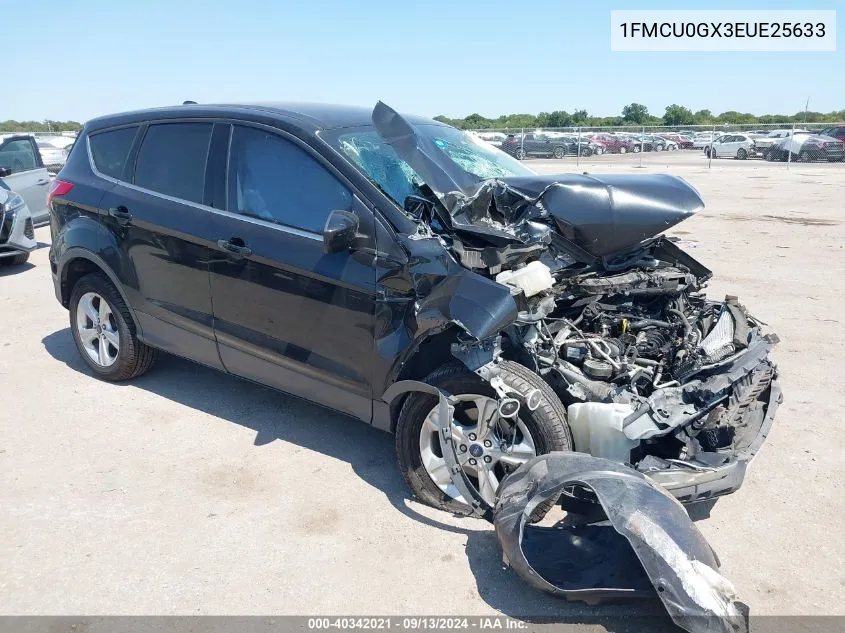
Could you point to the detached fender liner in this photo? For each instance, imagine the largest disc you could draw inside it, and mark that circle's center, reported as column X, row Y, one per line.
column 645, row 542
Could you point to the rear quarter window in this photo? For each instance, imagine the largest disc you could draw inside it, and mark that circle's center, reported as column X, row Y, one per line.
column 111, row 149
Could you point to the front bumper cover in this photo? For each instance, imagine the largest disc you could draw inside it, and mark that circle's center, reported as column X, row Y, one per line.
column 16, row 232
column 692, row 486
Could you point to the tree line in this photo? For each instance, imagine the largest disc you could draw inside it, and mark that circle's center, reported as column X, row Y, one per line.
column 633, row 114
column 637, row 114
column 40, row 126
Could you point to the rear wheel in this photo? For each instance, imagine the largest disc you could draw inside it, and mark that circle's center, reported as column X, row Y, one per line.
column 487, row 456
column 104, row 332
column 559, row 152
column 623, row 149
column 637, row 149
column 805, row 156
column 520, row 154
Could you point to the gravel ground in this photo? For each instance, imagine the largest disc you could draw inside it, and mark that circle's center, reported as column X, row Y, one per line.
column 192, row 492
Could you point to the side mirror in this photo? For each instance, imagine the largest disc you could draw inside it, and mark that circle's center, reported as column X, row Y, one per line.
column 340, row 231
column 5, row 171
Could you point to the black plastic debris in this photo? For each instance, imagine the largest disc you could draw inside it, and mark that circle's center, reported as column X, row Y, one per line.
column 632, row 540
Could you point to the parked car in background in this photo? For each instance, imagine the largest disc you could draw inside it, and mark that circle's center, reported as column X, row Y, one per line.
column 807, row 147
column 739, row 146
column 837, row 132
column 681, row 141
column 24, row 172
column 614, row 144
column 17, row 233
column 703, row 139
column 494, row 138
column 53, row 155
column 771, row 140
column 523, row 146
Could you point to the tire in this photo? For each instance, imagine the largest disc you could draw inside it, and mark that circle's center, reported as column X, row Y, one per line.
column 546, row 425
column 133, row 358
column 586, row 151
column 741, row 154
column 623, row 149
column 637, row 149
column 805, row 156
column 14, row 260
column 559, row 152
column 520, row 154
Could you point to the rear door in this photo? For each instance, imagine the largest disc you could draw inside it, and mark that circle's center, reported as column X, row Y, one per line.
column 285, row 313
column 29, row 177
column 158, row 232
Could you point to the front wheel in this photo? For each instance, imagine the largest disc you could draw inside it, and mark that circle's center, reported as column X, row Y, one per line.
column 520, row 154
column 741, row 154
column 559, row 152
column 637, row 149
column 486, row 456
column 104, row 332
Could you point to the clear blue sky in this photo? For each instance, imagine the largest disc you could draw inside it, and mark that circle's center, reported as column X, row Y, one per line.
column 75, row 59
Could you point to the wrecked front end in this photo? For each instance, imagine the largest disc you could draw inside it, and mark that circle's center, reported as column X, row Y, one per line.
column 609, row 312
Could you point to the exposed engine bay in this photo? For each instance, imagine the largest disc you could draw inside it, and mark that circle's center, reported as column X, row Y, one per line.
column 642, row 358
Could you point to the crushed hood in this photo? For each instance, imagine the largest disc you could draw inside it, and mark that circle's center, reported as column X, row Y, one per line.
column 600, row 215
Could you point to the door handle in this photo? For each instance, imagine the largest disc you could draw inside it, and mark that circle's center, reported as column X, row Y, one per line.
column 121, row 214
column 233, row 247
column 42, row 181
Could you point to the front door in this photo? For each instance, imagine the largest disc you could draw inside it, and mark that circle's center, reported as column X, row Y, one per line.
column 286, row 314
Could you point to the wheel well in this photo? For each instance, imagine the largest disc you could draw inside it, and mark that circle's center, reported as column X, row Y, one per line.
column 433, row 352
column 73, row 271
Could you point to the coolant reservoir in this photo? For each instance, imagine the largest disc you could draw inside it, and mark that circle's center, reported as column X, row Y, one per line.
column 597, row 430
column 531, row 278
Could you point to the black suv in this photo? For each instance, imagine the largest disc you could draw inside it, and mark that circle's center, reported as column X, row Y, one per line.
column 357, row 257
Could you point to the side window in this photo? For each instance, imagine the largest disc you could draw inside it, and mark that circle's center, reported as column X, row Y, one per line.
column 111, row 149
column 275, row 180
column 18, row 155
column 172, row 159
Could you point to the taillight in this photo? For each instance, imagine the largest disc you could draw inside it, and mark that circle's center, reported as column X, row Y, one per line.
column 58, row 188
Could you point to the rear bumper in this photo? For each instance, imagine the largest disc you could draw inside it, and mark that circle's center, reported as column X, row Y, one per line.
column 691, row 486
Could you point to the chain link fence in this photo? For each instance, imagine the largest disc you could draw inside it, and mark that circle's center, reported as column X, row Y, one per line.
column 643, row 145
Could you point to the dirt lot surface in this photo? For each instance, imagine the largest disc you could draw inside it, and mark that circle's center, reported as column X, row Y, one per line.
column 192, row 492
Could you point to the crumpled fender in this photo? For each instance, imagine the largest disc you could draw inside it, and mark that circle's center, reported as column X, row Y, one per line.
column 650, row 544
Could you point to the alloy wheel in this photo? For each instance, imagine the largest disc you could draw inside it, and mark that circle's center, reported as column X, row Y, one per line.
column 487, row 455
column 97, row 329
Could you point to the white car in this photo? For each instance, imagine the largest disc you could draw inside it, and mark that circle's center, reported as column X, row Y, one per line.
column 703, row 139
column 494, row 138
column 22, row 170
column 53, row 154
column 739, row 146
column 17, row 238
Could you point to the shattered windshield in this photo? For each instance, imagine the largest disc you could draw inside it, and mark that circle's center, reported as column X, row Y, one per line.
column 367, row 150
